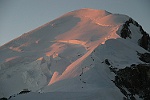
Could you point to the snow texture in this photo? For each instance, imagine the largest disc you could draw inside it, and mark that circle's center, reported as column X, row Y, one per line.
column 63, row 59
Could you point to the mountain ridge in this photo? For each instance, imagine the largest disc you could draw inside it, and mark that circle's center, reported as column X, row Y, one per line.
column 73, row 53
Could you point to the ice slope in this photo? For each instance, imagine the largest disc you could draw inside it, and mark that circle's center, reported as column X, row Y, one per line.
column 67, row 55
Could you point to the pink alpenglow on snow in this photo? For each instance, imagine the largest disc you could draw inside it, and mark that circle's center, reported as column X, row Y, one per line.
column 65, row 57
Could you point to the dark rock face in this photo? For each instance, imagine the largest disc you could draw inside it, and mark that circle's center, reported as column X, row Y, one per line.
column 133, row 80
column 136, row 79
column 125, row 32
column 107, row 62
column 3, row 98
column 144, row 41
column 144, row 57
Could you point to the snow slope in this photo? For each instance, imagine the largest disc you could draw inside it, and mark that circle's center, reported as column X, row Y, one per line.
column 65, row 57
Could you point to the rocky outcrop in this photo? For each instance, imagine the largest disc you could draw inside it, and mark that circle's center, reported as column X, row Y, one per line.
column 145, row 57
column 134, row 80
column 125, row 32
column 24, row 91
column 144, row 41
column 3, row 98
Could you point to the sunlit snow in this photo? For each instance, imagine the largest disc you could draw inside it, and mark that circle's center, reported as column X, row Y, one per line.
column 63, row 58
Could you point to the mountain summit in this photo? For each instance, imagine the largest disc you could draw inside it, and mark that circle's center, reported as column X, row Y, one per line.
column 85, row 54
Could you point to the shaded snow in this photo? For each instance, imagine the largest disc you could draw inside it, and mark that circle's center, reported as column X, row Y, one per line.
column 67, row 55
column 93, row 95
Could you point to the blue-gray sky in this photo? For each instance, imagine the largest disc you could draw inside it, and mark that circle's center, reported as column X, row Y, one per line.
column 20, row 16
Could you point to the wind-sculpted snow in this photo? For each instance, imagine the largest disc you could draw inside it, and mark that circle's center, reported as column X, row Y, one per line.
column 66, row 56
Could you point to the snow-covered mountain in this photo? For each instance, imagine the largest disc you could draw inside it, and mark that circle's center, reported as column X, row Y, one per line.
column 78, row 56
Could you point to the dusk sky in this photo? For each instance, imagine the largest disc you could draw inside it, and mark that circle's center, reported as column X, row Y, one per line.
column 20, row 16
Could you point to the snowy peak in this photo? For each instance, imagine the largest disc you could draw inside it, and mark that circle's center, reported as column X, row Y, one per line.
column 71, row 22
column 91, row 13
column 78, row 49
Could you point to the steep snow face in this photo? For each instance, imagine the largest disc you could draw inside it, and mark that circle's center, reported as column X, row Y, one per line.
column 68, row 54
